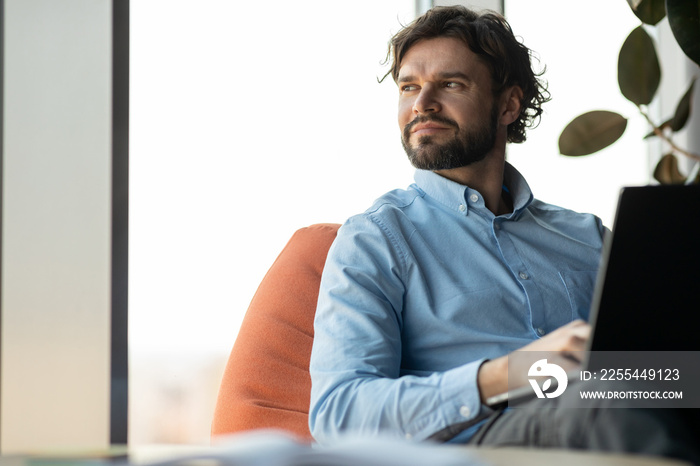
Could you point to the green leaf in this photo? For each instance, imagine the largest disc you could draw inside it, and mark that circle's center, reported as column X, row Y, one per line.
column 651, row 134
column 648, row 11
column 638, row 70
column 684, row 19
column 666, row 171
column 665, row 125
column 591, row 132
column 680, row 118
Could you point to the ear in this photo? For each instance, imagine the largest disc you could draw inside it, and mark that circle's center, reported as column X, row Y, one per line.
column 510, row 104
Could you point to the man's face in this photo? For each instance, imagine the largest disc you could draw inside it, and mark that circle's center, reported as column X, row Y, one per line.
column 447, row 113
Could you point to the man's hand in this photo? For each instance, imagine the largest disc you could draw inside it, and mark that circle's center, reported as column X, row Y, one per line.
column 565, row 341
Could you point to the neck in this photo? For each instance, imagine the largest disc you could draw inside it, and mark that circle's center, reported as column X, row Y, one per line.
column 486, row 177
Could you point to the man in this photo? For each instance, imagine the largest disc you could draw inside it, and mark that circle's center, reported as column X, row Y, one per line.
column 425, row 294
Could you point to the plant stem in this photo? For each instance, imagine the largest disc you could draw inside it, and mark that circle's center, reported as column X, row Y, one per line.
column 661, row 135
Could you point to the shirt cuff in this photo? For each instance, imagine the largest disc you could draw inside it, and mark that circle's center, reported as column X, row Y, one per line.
column 459, row 400
column 459, row 390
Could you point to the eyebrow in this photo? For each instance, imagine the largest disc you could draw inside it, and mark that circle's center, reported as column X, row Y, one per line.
column 454, row 74
column 443, row 75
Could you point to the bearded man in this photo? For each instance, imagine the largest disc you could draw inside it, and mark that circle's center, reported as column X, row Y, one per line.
column 425, row 294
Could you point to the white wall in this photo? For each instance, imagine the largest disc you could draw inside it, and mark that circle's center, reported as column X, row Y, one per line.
column 56, row 225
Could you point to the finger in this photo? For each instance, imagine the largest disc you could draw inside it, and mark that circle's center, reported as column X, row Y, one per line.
column 577, row 323
column 578, row 328
column 576, row 340
column 582, row 331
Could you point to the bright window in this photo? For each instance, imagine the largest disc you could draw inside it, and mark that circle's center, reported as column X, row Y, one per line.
column 249, row 120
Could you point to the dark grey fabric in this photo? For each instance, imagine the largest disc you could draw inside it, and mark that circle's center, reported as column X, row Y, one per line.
column 608, row 427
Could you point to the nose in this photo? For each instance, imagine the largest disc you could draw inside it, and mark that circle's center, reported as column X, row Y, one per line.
column 426, row 101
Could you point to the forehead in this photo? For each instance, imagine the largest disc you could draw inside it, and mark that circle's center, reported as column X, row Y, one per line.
column 440, row 55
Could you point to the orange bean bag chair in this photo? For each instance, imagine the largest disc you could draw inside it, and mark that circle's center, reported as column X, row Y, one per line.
column 266, row 383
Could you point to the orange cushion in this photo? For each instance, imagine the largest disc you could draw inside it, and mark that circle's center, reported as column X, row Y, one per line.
column 266, row 383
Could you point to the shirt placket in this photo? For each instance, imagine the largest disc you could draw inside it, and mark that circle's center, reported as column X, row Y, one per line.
column 522, row 274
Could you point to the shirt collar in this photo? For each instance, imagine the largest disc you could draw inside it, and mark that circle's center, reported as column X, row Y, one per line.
column 459, row 197
column 519, row 189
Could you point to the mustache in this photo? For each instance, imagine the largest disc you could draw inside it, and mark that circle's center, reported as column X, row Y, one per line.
column 427, row 118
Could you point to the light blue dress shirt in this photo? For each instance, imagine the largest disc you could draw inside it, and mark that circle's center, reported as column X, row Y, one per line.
column 422, row 288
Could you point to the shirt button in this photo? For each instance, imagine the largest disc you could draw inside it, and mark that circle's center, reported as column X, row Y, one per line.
column 540, row 331
column 464, row 411
column 523, row 275
column 462, row 207
column 409, row 436
column 496, row 226
column 474, row 197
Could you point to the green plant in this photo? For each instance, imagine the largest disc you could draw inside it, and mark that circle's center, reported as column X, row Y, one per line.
column 639, row 75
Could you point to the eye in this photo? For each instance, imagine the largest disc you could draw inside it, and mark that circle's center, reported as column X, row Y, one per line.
column 452, row 85
column 408, row 88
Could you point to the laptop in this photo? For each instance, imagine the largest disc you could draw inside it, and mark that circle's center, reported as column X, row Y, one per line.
column 647, row 292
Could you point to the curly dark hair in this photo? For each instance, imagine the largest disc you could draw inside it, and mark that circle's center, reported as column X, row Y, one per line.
column 488, row 35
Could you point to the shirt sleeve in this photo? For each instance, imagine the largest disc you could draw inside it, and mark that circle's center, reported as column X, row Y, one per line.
column 357, row 382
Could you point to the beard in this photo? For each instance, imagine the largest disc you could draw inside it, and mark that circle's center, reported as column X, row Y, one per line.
column 465, row 148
